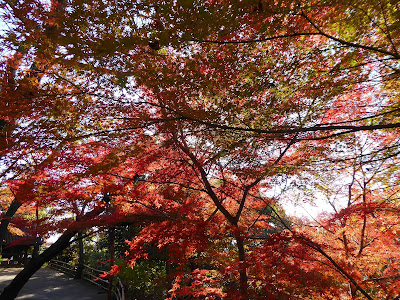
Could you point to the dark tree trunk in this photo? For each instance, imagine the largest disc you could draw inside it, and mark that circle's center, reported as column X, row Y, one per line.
column 12, row 290
column 36, row 248
column 80, row 267
column 5, row 220
column 242, row 268
column 111, row 277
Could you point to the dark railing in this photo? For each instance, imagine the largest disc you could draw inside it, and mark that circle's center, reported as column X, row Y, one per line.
column 91, row 275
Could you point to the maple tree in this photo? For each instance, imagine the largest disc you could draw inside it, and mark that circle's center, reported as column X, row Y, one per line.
column 360, row 232
column 188, row 114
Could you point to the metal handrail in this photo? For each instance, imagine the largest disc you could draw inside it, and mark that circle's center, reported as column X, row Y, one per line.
column 62, row 267
column 90, row 274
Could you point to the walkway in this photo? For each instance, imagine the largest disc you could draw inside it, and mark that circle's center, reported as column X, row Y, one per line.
column 48, row 284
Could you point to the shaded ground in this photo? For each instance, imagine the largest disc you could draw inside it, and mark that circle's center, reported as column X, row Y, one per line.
column 48, row 284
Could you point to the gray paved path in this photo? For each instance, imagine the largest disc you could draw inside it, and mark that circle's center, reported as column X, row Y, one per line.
column 48, row 284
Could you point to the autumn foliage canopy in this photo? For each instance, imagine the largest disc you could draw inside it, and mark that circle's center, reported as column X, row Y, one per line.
column 201, row 121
